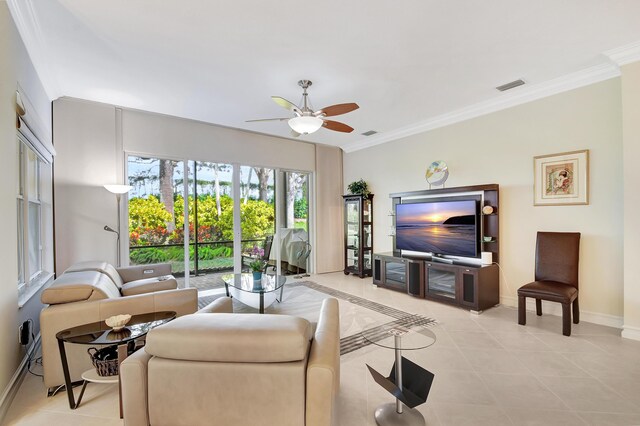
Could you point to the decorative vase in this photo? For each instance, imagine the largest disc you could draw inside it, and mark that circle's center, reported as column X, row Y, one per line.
column 257, row 276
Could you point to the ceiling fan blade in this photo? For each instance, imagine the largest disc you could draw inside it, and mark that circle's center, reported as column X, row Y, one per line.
column 286, row 104
column 294, row 133
column 268, row 119
column 338, row 109
column 337, row 126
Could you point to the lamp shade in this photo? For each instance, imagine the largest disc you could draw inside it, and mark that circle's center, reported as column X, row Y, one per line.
column 305, row 124
column 118, row 189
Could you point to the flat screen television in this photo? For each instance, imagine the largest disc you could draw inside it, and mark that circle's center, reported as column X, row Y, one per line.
column 448, row 227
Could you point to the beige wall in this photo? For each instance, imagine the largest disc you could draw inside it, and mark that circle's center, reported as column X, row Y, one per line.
column 499, row 148
column 84, row 136
column 631, row 155
column 15, row 68
column 163, row 135
column 329, row 242
column 92, row 139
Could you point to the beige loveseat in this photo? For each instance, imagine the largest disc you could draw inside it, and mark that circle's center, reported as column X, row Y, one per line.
column 234, row 370
column 93, row 291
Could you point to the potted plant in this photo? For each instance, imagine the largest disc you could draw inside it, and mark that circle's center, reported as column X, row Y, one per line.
column 359, row 187
column 257, row 266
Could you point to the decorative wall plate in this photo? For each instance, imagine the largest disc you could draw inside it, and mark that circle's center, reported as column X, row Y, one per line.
column 437, row 173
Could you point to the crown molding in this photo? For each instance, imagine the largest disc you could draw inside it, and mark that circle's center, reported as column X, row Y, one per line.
column 625, row 54
column 517, row 96
column 30, row 31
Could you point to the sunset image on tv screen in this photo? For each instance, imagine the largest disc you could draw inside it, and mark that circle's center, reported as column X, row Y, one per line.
column 444, row 227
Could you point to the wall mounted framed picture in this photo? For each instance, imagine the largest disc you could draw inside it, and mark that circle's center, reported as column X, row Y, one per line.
column 561, row 179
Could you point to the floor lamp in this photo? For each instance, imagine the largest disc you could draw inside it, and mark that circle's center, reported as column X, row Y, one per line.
column 118, row 190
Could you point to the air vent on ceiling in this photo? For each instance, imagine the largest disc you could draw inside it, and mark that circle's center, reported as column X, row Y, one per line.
column 369, row 133
column 510, row 85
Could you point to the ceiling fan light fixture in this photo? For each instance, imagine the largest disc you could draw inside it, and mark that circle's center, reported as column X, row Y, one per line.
column 305, row 124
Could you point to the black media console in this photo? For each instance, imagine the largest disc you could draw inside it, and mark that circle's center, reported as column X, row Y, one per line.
column 475, row 287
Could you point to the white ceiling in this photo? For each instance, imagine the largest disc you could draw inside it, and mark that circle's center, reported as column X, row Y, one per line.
column 403, row 62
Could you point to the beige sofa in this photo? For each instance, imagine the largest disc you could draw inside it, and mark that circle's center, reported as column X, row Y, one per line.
column 235, row 369
column 93, row 291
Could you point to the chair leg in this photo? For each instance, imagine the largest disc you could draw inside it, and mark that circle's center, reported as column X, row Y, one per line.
column 539, row 307
column 566, row 319
column 522, row 310
column 576, row 312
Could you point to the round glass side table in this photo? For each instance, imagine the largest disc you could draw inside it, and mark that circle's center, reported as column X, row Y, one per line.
column 406, row 334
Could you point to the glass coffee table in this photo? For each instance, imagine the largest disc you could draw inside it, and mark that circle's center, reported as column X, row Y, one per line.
column 258, row 294
column 408, row 382
column 99, row 334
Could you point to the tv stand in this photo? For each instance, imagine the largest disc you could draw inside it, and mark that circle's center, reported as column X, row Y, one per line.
column 475, row 287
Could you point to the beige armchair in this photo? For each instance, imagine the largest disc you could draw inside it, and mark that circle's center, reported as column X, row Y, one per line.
column 93, row 291
column 132, row 280
column 235, row 369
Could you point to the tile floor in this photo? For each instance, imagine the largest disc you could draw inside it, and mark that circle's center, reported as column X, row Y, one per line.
column 488, row 371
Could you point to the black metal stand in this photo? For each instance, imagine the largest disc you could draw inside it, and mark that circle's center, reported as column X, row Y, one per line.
column 67, row 377
column 410, row 385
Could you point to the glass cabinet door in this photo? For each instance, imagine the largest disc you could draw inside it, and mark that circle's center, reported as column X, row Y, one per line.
column 395, row 273
column 441, row 282
column 367, row 233
column 352, row 215
column 366, row 210
column 353, row 224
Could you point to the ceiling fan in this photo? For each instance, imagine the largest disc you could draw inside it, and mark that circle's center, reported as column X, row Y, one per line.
column 306, row 120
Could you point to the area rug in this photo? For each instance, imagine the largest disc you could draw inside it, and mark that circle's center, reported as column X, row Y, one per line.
column 304, row 298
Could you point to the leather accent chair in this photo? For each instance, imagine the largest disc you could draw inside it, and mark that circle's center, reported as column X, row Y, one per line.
column 90, row 292
column 234, row 370
column 556, row 277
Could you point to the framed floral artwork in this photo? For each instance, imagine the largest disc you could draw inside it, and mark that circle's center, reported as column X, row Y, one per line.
column 561, row 179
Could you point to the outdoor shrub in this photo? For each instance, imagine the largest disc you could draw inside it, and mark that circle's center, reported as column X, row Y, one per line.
column 149, row 236
column 222, row 251
column 147, row 213
column 148, row 220
column 174, row 253
column 210, row 253
column 300, row 208
column 257, row 218
column 148, row 255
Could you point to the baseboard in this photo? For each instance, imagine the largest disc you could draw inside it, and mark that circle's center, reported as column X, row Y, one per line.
column 14, row 384
column 629, row 332
column 551, row 308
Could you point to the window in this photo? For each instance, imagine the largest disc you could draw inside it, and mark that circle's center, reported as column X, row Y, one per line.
column 34, row 213
column 34, row 220
column 20, row 214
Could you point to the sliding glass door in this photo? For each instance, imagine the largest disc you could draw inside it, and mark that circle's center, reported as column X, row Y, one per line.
column 230, row 213
column 294, row 241
column 156, row 212
column 211, row 215
column 257, row 214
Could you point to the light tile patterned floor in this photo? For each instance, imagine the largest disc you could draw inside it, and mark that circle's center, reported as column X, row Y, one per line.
column 489, row 370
